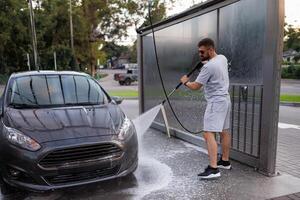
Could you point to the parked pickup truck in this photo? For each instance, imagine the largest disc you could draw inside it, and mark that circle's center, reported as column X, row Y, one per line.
column 127, row 78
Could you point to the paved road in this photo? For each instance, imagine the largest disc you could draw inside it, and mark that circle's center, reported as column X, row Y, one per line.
column 290, row 86
column 288, row 149
column 109, row 84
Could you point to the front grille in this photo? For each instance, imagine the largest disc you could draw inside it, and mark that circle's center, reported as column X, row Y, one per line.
column 72, row 156
column 82, row 176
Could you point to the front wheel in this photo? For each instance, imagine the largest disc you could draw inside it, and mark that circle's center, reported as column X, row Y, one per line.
column 121, row 82
column 127, row 81
column 6, row 189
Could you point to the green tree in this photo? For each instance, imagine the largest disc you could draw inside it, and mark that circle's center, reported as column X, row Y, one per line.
column 96, row 22
column 14, row 35
column 158, row 13
column 133, row 52
column 292, row 38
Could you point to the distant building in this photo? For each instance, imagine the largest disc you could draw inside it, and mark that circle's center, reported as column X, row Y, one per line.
column 289, row 56
column 118, row 63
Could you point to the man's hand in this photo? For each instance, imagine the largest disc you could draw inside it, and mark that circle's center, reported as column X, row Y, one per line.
column 191, row 85
column 184, row 79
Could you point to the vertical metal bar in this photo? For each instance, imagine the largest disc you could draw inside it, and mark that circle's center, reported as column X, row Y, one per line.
column 33, row 32
column 260, row 117
column 165, row 119
column 252, row 120
column 232, row 114
column 28, row 61
column 54, row 57
column 218, row 28
column 271, row 65
column 141, row 74
column 245, row 122
column 239, row 115
column 71, row 27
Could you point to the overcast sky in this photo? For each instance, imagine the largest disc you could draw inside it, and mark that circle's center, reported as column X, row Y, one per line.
column 292, row 13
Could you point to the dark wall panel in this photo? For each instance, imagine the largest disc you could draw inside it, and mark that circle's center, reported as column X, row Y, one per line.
column 177, row 53
column 241, row 30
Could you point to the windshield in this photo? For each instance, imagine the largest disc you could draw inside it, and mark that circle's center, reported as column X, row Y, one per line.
column 55, row 90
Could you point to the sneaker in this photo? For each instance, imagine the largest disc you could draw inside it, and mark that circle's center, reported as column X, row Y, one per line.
column 210, row 173
column 224, row 164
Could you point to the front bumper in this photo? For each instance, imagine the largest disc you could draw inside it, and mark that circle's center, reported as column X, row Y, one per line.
column 32, row 176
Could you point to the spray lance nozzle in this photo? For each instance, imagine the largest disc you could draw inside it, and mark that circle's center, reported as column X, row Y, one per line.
column 198, row 66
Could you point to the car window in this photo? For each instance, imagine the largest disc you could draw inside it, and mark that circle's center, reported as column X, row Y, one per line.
column 55, row 90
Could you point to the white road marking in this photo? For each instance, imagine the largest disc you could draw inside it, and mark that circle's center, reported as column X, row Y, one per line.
column 287, row 126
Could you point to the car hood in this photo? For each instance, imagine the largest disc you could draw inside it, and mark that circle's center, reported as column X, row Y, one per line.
column 52, row 124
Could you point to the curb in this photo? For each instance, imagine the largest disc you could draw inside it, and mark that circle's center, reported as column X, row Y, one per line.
column 130, row 98
column 292, row 104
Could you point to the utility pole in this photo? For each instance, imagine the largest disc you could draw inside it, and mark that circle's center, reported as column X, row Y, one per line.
column 71, row 28
column 54, row 57
column 33, row 32
column 28, row 61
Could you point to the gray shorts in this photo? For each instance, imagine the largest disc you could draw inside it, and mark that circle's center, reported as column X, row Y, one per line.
column 217, row 116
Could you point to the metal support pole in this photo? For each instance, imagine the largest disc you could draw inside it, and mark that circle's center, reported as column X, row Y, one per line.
column 28, row 61
column 33, row 32
column 54, row 57
column 71, row 28
column 271, row 89
column 165, row 119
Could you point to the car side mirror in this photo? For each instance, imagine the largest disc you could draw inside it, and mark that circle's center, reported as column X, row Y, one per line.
column 116, row 99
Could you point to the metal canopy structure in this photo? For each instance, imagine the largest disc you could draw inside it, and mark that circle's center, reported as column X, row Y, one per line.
column 250, row 34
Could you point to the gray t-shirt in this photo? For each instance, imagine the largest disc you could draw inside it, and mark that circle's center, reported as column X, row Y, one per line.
column 214, row 77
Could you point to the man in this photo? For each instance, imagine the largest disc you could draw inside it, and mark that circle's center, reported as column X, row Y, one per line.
column 214, row 78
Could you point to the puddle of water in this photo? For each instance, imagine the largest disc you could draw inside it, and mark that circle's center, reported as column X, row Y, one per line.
column 151, row 176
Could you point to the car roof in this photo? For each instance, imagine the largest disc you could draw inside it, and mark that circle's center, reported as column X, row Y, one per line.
column 47, row 72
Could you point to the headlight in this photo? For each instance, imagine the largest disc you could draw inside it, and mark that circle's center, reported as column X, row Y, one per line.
column 19, row 139
column 126, row 130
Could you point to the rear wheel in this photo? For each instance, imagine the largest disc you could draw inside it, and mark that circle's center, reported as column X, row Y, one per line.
column 121, row 82
column 127, row 81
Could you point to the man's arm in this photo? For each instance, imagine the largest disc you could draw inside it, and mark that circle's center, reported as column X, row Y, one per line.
column 191, row 85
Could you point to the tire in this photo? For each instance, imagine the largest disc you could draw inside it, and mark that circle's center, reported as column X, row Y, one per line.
column 121, row 82
column 127, row 81
column 6, row 189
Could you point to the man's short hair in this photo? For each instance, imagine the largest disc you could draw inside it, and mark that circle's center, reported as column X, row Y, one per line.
column 207, row 42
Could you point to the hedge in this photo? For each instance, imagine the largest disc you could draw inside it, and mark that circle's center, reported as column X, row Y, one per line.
column 291, row 72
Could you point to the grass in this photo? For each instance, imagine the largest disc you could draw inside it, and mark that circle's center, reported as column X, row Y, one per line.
column 290, row 98
column 124, row 93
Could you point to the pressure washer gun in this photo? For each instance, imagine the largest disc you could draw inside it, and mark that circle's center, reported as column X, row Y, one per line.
column 199, row 65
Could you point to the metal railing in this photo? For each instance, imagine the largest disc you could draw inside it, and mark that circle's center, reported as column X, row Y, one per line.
column 246, row 118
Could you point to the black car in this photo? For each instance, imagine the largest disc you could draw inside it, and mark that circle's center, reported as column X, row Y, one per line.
column 61, row 129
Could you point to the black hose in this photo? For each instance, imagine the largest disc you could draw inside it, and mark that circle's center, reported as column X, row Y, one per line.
column 160, row 76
